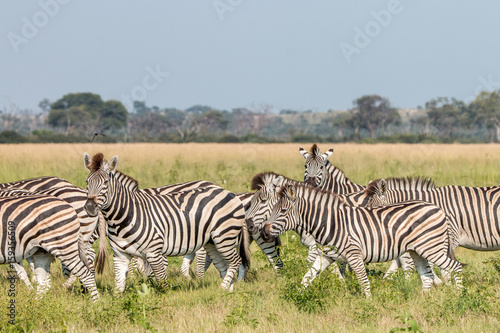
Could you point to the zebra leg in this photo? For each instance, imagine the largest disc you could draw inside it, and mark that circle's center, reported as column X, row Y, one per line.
column 227, row 264
column 121, row 268
column 319, row 265
column 186, row 262
column 448, row 265
column 355, row 260
column 42, row 261
column 32, row 268
column 159, row 265
column 203, row 261
column 423, row 269
column 21, row 272
column 395, row 264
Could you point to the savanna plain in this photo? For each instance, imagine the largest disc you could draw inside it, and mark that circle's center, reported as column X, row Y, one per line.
column 265, row 301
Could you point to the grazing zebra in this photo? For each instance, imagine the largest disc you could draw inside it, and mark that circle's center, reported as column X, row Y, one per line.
column 66, row 191
column 473, row 212
column 357, row 234
column 41, row 227
column 153, row 226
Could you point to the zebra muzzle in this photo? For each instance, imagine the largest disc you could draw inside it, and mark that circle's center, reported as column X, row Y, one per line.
column 91, row 206
column 251, row 226
column 266, row 235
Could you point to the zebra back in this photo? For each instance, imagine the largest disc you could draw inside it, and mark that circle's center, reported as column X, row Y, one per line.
column 473, row 212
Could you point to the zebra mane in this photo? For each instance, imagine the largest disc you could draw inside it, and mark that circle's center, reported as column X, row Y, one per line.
column 261, row 179
column 97, row 161
column 403, row 183
column 127, row 181
column 315, row 150
column 307, row 188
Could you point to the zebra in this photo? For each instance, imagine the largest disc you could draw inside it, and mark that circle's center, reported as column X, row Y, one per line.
column 321, row 173
column 267, row 185
column 41, row 227
column 202, row 260
column 474, row 212
column 357, row 234
column 76, row 197
column 151, row 226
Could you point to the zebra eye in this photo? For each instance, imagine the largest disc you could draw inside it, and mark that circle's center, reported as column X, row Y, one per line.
column 283, row 210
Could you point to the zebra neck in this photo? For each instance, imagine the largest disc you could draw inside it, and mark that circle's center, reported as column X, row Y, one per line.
column 319, row 215
column 336, row 181
column 122, row 201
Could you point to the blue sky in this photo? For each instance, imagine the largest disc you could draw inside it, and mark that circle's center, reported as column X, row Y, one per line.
column 302, row 55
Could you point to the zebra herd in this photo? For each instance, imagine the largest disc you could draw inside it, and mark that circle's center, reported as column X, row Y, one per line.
column 407, row 220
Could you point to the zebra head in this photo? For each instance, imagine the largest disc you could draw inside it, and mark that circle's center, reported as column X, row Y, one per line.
column 376, row 192
column 284, row 215
column 101, row 172
column 266, row 185
column 314, row 173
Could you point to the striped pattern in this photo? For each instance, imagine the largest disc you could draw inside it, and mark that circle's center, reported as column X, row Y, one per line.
column 40, row 227
column 152, row 226
column 474, row 212
column 358, row 235
column 73, row 195
column 321, row 173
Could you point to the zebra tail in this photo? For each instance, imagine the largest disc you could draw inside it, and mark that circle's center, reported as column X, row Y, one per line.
column 244, row 247
column 103, row 246
column 82, row 253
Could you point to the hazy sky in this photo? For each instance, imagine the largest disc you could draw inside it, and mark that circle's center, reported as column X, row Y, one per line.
column 301, row 55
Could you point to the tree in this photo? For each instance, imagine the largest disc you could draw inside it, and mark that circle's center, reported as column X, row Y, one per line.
column 486, row 108
column 44, row 105
column 113, row 115
column 446, row 115
column 85, row 113
column 372, row 112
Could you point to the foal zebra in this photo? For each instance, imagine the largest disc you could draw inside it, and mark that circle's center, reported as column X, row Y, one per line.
column 356, row 234
column 153, row 225
column 40, row 227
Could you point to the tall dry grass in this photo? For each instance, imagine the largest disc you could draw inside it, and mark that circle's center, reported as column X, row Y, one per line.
column 265, row 302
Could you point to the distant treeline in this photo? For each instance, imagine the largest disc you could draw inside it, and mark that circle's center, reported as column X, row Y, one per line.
column 83, row 117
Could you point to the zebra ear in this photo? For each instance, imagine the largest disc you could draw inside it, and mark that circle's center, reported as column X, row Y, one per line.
column 327, row 154
column 382, row 185
column 304, row 153
column 113, row 163
column 87, row 160
column 290, row 192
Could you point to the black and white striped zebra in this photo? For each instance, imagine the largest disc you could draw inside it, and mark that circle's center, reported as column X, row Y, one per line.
column 73, row 195
column 151, row 226
column 41, row 227
column 321, row 173
column 474, row 212
column 358, row 235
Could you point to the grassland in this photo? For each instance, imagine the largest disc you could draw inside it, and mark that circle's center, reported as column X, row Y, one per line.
column 265, row 302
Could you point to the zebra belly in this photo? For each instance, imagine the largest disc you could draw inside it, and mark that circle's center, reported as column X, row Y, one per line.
column 492, row 244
